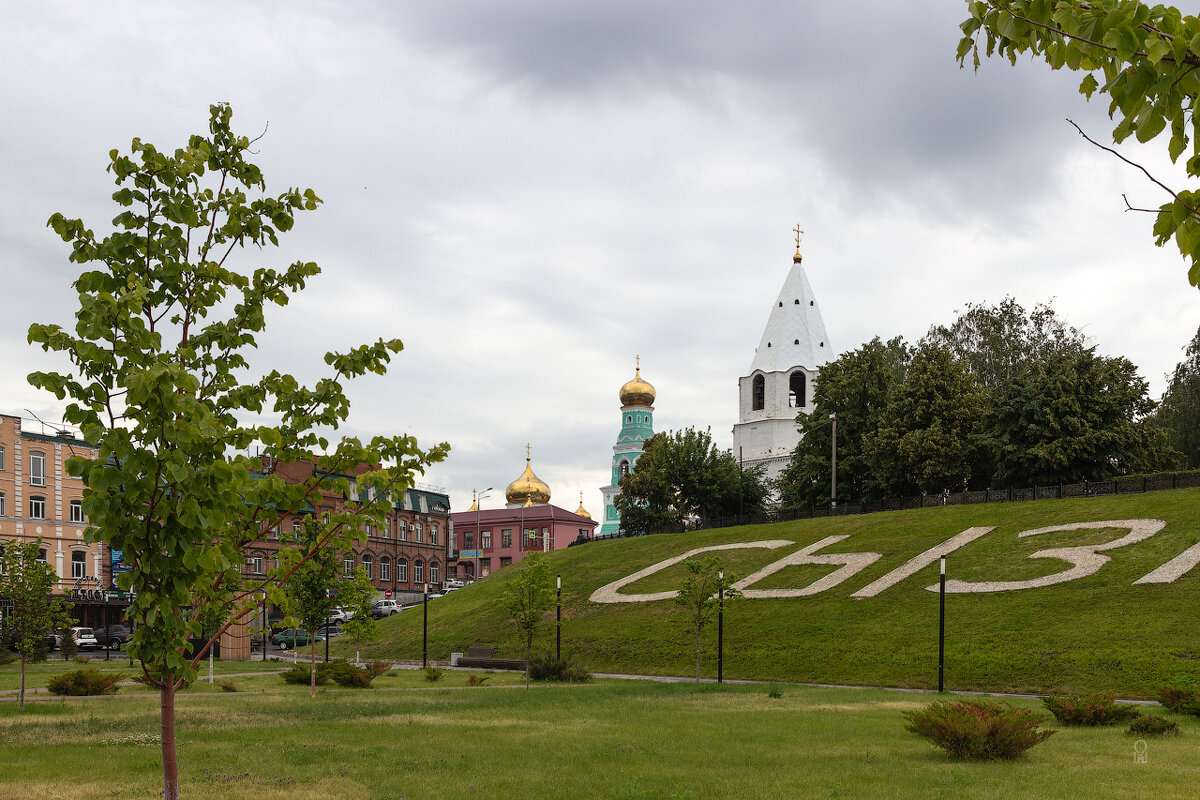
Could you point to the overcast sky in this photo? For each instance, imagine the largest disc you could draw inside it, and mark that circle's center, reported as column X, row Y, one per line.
column 531, row 193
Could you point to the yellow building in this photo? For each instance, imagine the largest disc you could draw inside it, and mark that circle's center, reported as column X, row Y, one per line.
column 39, row 500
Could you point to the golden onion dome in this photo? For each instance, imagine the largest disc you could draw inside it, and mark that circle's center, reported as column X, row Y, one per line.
column 581, row 511
column 637, row 392
column 528, row 487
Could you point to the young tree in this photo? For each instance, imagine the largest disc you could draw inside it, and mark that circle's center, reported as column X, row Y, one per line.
column 159, row 381
column 355, row 595
column 1146, row 59
column 1179, row 410
column 311, row 593
column 528, row 595
column 856, row 386
column 681, row 475
column 701, row 595
column 27, row 582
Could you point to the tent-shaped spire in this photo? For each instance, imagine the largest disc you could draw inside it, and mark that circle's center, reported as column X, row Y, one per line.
column 795, row 334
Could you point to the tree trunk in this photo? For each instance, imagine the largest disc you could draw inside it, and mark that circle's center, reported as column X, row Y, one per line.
column 21, row 701
column 697, row 654
column 312, row 675
column 528, row 647
column 167, row 734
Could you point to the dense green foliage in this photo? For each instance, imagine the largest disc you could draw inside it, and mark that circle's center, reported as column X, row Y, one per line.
column 1099, row 633
column 1181, row 700
column 1093, row 709
column 555, row 669
column 1143, row 57
column 978, row 730
column 1154, row 725
column 84, row 682
column 1179, row 410
column 159, row 381
column 682, row 476
column 1000, row 398
column 27, row 584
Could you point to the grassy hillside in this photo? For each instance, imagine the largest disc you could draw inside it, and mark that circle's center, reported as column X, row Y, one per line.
column 1098, row 633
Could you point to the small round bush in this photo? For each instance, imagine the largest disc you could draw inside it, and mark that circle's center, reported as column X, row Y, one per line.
column 974, row 730
column 1154, row 725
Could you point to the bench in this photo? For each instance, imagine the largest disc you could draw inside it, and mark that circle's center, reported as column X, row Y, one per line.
column 484, row 658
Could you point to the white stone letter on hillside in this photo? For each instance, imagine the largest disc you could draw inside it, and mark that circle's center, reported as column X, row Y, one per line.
column 1086, row 559
column 919, row 563
column 1174, row 569
column 854, row 562
column 608, row 593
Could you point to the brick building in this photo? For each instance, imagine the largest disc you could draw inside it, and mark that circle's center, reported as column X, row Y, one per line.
column 38, row 499
column 404, row 555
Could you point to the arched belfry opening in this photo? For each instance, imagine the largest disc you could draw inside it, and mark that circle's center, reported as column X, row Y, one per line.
column 759, row 392
column 796, row 390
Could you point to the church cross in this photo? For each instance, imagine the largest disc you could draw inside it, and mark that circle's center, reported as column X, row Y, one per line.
column 798, row 233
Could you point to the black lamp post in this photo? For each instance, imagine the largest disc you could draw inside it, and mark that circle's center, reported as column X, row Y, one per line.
column 266, row 630
column 558, row 620
column 425, row 627
column 720, row 625
column 942, row 628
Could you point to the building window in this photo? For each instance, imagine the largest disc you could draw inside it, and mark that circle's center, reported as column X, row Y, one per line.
column 42, row 556
column 433, row 534
column 624, row 468
column 370, row 530
column 506, row 538
column 275, row 531
column 1, row 457
column 758, row 392
column 433, row 572
column 468, row 540
column 76, row 511
column 296, row 525
column 402, row 571
column 348, row 563
column 3, row 509
column 417, row 533
column 368, row 565
column 485, row 540
column 505, row 561
column 418, row 569
column 403, row 530
column 37, row 468
column 255, row 563
column 796, row 390
column 79, row 564
column 385, row 569
column 37, row 507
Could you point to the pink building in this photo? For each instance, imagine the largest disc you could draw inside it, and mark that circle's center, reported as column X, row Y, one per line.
column 487, row 540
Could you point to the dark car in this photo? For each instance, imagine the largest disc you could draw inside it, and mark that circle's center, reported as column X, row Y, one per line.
column 293, row 637
column 113, row 636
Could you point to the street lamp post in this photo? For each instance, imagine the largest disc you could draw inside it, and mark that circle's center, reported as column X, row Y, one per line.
column 478, row 530
column 833, row 489
column 266, row 634
column 942, row 628
column 720, row 625
column 558, row 619
column 425, row 628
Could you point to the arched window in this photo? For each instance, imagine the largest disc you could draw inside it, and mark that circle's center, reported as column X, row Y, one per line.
column 624, row 468
column 368, row 565
column 402, row 570
column 796, row 390
column 758, row 392
column 348, row 563
column 385, row 569
column 433, row 572
column 418, row 571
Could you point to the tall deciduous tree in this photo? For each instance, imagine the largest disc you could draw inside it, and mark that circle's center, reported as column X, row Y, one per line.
column 682, row 475
column 159, row 380
column 1179, row 410
column 855, row 386
column 528, row 595
column 931, row 433
column 27, row 583
column 1143, row 57
column 700, row 596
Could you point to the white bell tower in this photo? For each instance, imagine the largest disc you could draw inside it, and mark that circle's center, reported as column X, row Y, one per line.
column 782, row 375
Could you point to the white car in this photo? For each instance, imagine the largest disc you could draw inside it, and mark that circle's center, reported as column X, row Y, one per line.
column 385, row 608
column 340, row 615
column 85, row 638
column 453, row 583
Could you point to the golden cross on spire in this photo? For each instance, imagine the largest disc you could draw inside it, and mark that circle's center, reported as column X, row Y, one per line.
column 639, row 362
column 799, row 232
column 527, row 451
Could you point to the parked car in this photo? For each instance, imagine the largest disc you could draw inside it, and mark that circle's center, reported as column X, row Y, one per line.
column 329, row 631
column 294, row 637
column 340, row 615
column 85, row 638
column 433, row 595
column 385, row 608
column 113, row 636
column 453, row 583
column 51, row 642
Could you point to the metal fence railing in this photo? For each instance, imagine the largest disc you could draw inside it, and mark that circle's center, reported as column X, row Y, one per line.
column 1126, row 485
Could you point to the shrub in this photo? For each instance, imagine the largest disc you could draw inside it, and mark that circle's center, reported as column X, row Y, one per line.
column 228, row 686
column 346, row 674
column 1181, row 700
column 301, row 675
column 81, row 659
column 1154, row 725
column 67, row 644
column 433, row 674
column 976, row 730
column 1093, row 709
column 476, row 680
column 6, row 657
column 548, row 667
column 84, row 682
column 775, row 692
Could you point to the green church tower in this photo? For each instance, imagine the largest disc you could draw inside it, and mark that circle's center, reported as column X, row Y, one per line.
column 637, row 425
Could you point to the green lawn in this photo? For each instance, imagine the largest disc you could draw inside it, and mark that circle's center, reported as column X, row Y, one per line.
column 608, row 740
column 1099, row 633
